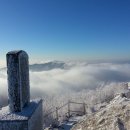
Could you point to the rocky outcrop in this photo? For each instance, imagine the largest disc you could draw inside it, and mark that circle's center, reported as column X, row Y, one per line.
column 114, row 116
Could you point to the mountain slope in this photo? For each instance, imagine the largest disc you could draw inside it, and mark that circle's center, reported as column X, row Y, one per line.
column 114, row 116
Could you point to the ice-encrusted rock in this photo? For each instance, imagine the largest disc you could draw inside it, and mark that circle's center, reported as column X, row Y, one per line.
column 114, row 116
column 18, row 80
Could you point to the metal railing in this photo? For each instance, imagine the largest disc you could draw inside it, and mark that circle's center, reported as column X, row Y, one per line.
column 70, row 110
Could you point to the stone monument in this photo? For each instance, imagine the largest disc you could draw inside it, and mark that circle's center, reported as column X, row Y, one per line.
column 21, row 113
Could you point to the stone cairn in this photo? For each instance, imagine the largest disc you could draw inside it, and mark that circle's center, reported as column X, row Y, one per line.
column 21, row 113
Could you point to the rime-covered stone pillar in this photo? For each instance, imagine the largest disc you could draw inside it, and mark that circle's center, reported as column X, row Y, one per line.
column 18, row 80
column 21, row 113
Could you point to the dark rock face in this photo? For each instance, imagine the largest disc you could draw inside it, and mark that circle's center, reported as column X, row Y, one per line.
column 18, row 80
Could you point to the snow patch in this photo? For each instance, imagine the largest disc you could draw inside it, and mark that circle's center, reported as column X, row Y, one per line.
column 5, row 113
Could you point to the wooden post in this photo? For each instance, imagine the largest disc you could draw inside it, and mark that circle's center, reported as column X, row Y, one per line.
column 57, row 117
column 84, row 108
column 69, row 108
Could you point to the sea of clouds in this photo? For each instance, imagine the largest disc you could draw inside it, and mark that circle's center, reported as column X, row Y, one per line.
column 75, row 77
column 79, row 76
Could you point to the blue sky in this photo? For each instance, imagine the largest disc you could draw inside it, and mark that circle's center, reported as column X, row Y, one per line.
column 66, row 29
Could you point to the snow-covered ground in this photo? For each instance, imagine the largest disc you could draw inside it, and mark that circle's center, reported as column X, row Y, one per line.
column 114, row 116
column 67, row 125
column 6, row 115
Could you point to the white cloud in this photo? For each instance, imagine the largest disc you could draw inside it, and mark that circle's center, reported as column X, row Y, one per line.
column 2, row 63
column 77, row 77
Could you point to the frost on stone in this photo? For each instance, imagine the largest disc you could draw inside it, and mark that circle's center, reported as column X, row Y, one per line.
column 21, row 114
column 26, row 113
column 18, row 80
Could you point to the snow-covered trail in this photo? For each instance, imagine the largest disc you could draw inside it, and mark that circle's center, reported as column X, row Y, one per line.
column 67, row 125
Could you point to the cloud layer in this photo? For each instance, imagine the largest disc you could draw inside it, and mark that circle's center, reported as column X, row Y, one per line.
column 80, row 76
column 76, row 77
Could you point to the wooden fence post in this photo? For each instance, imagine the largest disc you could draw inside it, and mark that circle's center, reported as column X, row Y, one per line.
column 57, row 116
column 84, row 108
column 69, row 108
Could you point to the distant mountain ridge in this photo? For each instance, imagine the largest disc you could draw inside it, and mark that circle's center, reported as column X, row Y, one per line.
column 47, row 66
column 44, row 66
